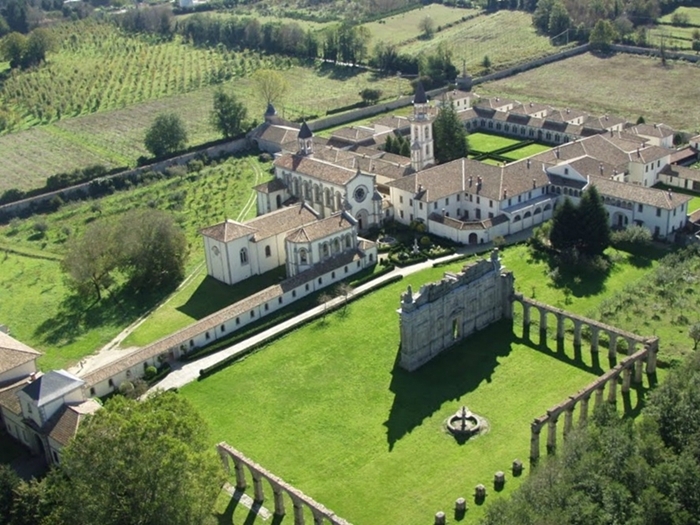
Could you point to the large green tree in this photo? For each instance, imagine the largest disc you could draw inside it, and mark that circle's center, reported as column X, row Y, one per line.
column 593, row 227
column 141, row 463
column 450, row 137
column 166, row 135
column 145, row 249
column 229, row 114
column 562, row 236
column 602, row 35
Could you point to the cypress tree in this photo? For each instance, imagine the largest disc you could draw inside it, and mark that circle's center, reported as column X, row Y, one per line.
column 389, row 144
column 563, row 235
column 450, row 138
column 593, row 226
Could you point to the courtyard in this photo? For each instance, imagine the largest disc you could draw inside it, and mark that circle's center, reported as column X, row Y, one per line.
column 326, row 409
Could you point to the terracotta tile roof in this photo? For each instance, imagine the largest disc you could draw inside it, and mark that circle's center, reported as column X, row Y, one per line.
column 639, row 194
column 683, row 172
column 683, row 155
column 653, row 130
column 292, row 146
column 276, row 134
column 271, row 186
column 446, row 179
column 276, row 222
column 353, row 133
column 14, row 353
column 454, row 94
column 64, row 424
column 650, row 154
column 322, row 228
column 8, row 397
column 393, row 122
column 316, row 168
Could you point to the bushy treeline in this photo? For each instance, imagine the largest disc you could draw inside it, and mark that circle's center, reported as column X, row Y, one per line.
column 618, row 470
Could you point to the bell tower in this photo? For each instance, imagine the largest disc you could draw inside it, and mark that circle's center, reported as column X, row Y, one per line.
column 305, row 138
column 422, row 152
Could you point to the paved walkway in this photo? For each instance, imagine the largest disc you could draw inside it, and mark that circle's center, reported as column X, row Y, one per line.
column 184, row 373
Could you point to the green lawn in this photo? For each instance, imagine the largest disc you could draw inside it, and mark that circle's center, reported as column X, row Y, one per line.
column 694, row 205
column 485, row 142
column 39, row 308
column 333, row 416
column 527, row 151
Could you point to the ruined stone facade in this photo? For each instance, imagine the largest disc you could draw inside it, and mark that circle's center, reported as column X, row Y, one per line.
column 443, row 313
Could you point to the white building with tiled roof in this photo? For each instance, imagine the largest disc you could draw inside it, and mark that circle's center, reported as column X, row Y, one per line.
column 17, row 360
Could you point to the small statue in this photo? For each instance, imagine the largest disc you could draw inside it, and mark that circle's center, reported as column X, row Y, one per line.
column 408, row 296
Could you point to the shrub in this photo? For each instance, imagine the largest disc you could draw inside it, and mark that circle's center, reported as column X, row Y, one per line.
column 40, row 227
column 425, row 241
column 126, row 388
column 632, row 237
column 151, row 371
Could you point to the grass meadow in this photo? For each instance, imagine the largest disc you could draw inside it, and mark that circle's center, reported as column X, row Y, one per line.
column 48, row 318
column 605, row 92
column 486, row 142
column 693, row 14
column 402, row 27
column 506, row 37
column 326, row 409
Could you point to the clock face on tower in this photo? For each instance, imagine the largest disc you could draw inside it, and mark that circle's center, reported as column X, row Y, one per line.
column 360, row 193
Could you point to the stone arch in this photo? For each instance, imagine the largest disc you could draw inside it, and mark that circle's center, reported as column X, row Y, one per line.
column 527, row 215
column 278, row 201
column 336, row 245
column 348, row 241
column 316, row 193
column 537, row 211
column 295, row 187
column 547, row 207
column 362, row 219
column 303, row 256
column 338, row 201
column 325, row 250
column 517, row 218
column 328, row 198
column 473, row 238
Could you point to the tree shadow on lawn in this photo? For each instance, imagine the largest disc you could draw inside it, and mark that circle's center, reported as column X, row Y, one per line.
column 212, row 295
column 455, row 372
column 335, row 72
column 76, row 316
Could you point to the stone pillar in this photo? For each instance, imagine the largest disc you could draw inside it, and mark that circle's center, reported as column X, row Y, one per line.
column 224, row 460
column 552, row 434
column 318, row 517
column 298, row 512
column 258, row 492
column 626, row 379
column 631, row 346
column 543, row 324
column 279, row 501
column 638, row 370
column 568, row 420
column 651, row 360
column 240, row 474
column 595, row 334
column 577, row 333
column 534, row 442
column 560, row 326
column 499, row 480
column 612, row 390
column 599, row 395
column 526, row 317
column 583, row 410
column 612, row 349
column 440, row 518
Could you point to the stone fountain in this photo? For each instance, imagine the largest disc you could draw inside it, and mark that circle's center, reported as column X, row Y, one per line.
column 465, row 424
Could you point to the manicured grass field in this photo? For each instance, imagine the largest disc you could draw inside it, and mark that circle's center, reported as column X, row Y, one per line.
column 506, row 37
column 694, row 205
column 527, row 151
column 399, row 28
column 326, row 409
column 34, row 300
column 485, row 142
column 595, row 78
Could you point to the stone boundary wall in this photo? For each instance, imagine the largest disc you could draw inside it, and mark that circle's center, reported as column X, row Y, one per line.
column 630, row 369
column 650, row 51
column 223, row 323
column 12, row 209
column 280, row 487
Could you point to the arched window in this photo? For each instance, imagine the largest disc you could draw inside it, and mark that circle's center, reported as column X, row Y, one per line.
column 348, row 241
column 526, row 215
column 516, row 218
column 303, row 256
column 537, row 210
column 547, row 207
column 244, row 256
column 336, row 245
column 325, row 250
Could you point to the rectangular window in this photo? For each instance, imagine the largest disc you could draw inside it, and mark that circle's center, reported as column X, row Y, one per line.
column 410, row 202
column 267, row 307
column 658, row 212
column 410, row 217
column 458, row 196
column 640, row 208
column 478, row 199
column 420, row 205
column 294, row 294
column 279, row 300
column 447, row 201
column 401, row 199
column 401, row 213
column 490, row 215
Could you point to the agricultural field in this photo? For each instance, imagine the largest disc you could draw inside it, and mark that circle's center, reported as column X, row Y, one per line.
column 506, row 37
column 400, row 28
column 115, row 138
column 47, row 318
column 559, row 84
column 693, row 14
column 393, row 463
column 680, row 38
